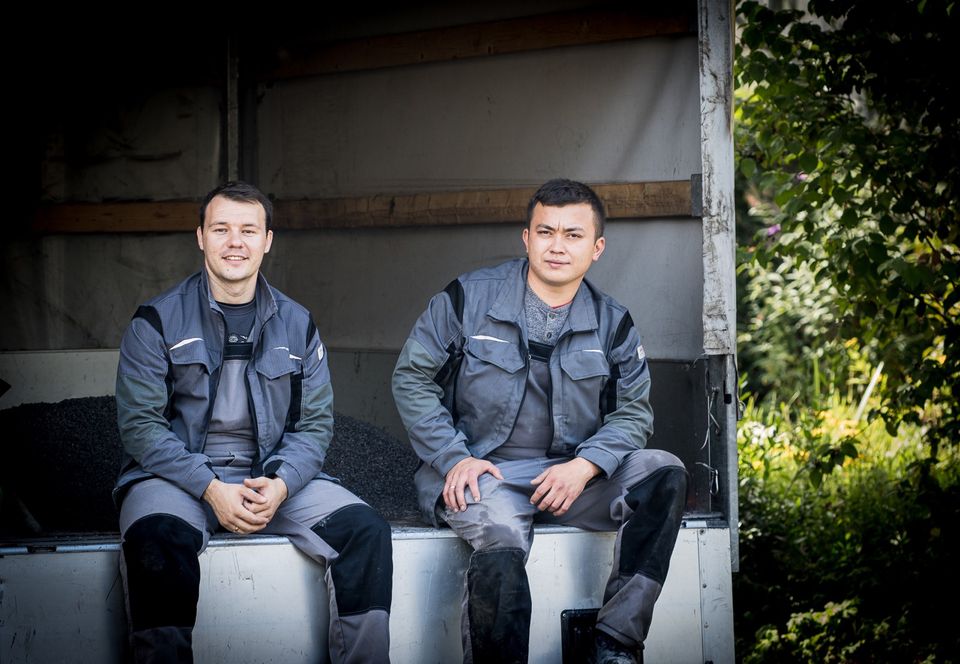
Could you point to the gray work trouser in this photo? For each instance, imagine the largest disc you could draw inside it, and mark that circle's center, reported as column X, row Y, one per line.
column 643, row 500
column 362, row 635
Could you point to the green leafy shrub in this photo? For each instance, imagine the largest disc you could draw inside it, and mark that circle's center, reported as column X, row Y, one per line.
column 841, row 568
column 848, row 155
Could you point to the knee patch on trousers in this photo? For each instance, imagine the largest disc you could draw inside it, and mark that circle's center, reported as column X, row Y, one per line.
column 651, row 531
column 363, row 571
column 498, row 606
column 163, row 573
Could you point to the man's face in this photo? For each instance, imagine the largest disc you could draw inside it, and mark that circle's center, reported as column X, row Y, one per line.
column 561, row 245
column 234, row 239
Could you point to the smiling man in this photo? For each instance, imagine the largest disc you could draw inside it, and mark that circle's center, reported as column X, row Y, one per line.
column 225, row 412
column 525, row 392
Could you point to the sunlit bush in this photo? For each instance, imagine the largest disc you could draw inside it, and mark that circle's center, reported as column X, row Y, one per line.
column 837, row 565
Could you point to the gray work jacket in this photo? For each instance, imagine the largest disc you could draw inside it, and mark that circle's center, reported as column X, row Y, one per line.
column 460, row 378
column 170, row 360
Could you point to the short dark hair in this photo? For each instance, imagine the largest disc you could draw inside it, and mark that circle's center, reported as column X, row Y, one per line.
column 559, row 192
column 239, row 191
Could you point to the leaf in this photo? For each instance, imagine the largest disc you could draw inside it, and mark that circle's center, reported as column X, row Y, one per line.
column 841, row 194
column 748, row 167
column 789, row 192
column 816, row 477
column 887, row 225
column 877, row 252
column 849, row 449
column 808, row 162
column 849, row 218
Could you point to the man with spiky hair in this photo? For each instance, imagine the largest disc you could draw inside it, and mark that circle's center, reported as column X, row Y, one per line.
column 525, row 392
column 225, row 412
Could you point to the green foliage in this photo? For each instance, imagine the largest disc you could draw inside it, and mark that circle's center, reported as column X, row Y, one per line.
column 848, row 165
column 789, row 335
column 848, row 148
column 836, row 634
column 857, row 567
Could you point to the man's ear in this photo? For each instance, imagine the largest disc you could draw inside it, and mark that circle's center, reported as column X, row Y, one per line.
column 200, row 237
column 598, row 247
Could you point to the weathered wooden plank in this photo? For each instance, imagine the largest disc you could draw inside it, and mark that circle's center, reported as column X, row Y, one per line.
column 139, row 216
column 485, row 206
column 446, row 208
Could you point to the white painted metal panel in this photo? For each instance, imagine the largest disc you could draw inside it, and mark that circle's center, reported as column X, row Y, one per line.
column 260, row 603
column 716, row 595
column 263, row 601
column 61, row 607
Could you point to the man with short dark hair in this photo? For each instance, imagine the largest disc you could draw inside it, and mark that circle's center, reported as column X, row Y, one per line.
column 225, row 412
column 525, row 393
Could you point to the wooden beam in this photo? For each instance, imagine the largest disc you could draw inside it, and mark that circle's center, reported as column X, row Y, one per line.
column 136, row 217
column 640, row 200
column 516, row 35
column 485, row 206
column 635, row 200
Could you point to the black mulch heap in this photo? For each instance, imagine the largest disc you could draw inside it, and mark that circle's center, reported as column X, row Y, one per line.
column 60, row 462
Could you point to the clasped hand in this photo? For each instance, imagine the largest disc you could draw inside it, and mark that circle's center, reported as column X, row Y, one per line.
column 248, row 507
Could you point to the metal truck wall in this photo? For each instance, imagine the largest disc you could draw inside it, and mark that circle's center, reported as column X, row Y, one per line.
column 262, row 600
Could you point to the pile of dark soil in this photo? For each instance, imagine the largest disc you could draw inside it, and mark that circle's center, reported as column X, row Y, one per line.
column 60, row 462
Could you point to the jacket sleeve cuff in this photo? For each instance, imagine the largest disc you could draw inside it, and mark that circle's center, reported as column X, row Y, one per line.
column 450, row 458
column 605, row 461
column 290, row 477
column 198, row 480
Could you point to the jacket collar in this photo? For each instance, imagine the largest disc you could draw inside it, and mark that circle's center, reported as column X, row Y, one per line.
column 266, row 303
column 508, row 306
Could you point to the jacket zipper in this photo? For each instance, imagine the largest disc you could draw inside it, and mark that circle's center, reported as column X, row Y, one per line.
column 553, row 431
column 526, row 378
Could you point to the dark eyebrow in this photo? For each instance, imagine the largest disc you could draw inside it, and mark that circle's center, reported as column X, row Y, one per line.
column 567, row 229
column 214, row 222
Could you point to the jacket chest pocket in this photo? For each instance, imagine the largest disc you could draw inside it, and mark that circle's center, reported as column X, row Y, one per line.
column 277, row 386
column 584, row 364
column 191, row 368
column 491, row 375
column 584, row 373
